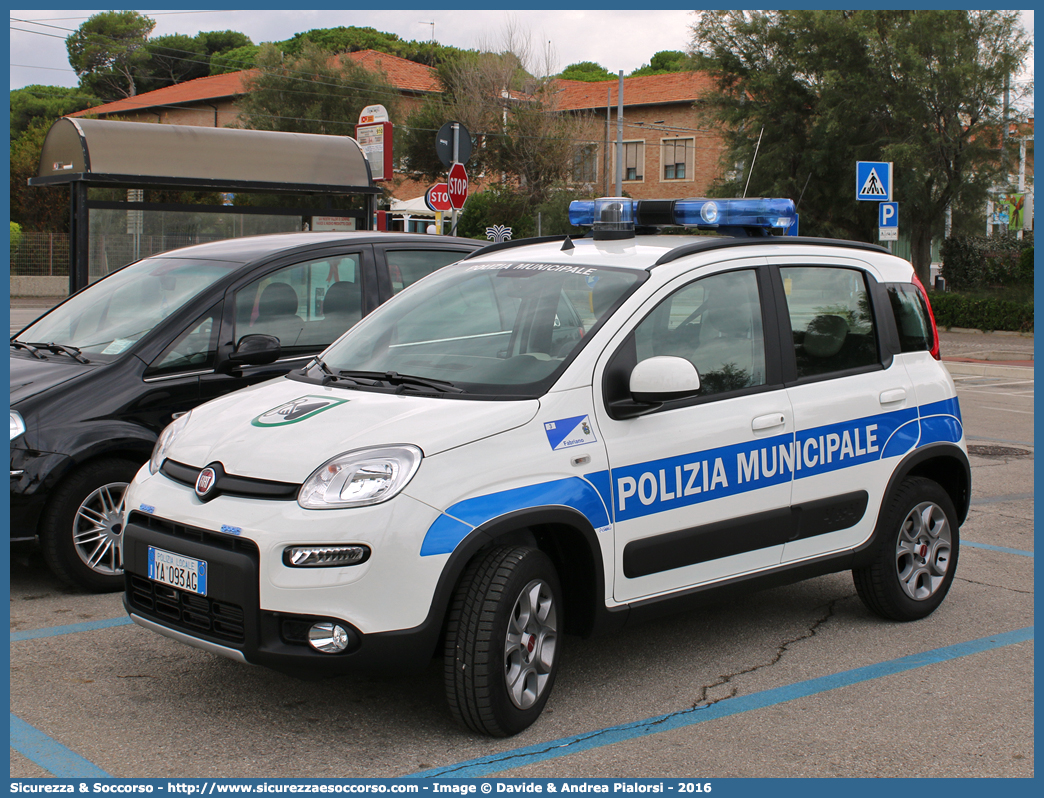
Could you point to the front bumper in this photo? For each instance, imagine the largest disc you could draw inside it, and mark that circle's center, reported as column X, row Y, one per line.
column 259, row 610
column 33, row 475
column 229, row 620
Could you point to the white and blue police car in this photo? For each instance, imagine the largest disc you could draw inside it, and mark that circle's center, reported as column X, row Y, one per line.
column 562, row 436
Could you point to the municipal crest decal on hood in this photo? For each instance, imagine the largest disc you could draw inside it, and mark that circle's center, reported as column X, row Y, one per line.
column 299, row 409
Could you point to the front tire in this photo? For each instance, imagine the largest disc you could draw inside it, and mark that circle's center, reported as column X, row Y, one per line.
column 81, row 533
column 915, row 561
column 502, row 640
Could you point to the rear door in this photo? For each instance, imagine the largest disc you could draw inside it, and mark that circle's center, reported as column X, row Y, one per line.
column 401, row 265
column 855, row 410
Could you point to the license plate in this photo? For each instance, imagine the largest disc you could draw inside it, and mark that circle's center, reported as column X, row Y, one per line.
column 176, row 570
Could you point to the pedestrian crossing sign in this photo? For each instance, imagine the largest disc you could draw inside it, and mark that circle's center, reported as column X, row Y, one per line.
column 874, row 181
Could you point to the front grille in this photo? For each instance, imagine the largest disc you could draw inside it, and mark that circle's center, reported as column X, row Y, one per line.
column 219, row 540
column 188, row 611
column 230, row 484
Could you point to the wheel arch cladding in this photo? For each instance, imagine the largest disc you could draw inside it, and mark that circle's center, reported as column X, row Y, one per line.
column 558, row 517
column 943, row 463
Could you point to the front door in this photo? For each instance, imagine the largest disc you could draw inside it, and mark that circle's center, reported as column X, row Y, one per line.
column 701, row 486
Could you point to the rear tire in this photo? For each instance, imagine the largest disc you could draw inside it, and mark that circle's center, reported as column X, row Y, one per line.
column 81, row 532
column 916, row 558
column 502, row 640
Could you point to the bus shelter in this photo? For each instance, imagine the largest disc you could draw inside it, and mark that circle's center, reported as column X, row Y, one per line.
column 264, row 181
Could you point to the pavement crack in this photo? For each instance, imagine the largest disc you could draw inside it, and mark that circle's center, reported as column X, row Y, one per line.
column 990, row 584
column 704, row 700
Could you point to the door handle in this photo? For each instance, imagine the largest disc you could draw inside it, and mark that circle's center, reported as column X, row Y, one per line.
column 894, row 395
column 768, row 422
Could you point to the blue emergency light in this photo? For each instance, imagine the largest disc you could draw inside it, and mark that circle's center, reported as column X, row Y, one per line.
column 617, row 217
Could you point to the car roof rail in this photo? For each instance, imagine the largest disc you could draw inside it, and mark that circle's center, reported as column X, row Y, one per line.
column 717, row 243
column 518, row 242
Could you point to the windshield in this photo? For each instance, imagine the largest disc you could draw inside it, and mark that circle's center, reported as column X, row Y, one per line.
column 107, row 317
column 483, row 328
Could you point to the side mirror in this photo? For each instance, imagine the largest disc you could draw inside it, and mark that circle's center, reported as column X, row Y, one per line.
column 658, row 379
column 255, row 350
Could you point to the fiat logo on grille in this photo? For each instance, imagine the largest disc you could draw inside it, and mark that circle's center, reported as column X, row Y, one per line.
column 205, row 481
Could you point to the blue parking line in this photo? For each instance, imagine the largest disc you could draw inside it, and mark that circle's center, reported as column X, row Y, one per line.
column 567, row 746
column 58, row 631
column 52, row 756
column 1003, row 549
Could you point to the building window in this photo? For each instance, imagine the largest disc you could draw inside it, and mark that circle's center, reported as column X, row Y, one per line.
column 634, row 160
column 585, row 164
column 677, row 159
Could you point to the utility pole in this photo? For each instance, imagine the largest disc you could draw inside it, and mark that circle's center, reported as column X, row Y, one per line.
column 619, row 138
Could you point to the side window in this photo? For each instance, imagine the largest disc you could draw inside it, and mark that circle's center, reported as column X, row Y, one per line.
column 715, row 324
column 407, row 266
column 911, row 318
column 306, row 305
column 830, row 318
column 193, row 350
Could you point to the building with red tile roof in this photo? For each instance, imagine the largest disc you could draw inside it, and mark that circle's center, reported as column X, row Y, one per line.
column 666, row 153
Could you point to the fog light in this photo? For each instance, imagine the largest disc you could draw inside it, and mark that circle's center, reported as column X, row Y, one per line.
column 330, row 638
column 324, row 556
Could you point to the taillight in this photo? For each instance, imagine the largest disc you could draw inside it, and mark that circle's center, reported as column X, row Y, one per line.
column 931, row 315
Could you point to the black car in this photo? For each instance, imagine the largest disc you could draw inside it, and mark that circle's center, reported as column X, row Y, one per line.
column 95, row 380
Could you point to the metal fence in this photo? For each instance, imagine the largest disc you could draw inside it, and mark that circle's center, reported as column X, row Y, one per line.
column 41, row 255
column 47, row 254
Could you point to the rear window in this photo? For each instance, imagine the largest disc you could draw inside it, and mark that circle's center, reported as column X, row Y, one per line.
column 911, row 318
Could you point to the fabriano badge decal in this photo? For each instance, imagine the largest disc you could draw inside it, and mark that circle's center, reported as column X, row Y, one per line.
column 297, row 410
column 568, row 432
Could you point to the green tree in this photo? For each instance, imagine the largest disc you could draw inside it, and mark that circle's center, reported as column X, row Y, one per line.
column 234, row 60
column 824, row 89
column 35, row 208
column 108, row 50
column 511, row 115
column 173, row 59
column 587, row 71
column 664, row 62
column 47, row 103
column 314, row 92
column 221, row 41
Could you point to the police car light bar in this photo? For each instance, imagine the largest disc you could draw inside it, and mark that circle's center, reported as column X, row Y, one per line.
column 616, row 217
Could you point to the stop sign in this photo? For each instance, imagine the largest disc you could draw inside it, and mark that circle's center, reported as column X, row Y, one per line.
column 437, row 198
column 457, row 186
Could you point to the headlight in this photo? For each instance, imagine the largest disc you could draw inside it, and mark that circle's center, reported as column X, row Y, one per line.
column 166, row 438
column 17, row 424
column 355, row 479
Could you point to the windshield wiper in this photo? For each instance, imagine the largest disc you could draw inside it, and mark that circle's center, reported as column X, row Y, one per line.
column 375, row 378
column 62, row 349
column 32, row 350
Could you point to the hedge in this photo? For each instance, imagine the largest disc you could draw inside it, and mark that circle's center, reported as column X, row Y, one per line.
column 980, row 261
column 981, row 313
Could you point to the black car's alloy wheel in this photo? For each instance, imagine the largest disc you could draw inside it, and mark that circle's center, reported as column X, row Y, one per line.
column 81, row 532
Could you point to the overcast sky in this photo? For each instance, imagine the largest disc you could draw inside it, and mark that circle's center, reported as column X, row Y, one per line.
column 617, row 39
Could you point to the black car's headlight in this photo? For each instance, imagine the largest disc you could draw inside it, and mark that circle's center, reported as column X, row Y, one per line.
column 166, row 438
column 17, row 424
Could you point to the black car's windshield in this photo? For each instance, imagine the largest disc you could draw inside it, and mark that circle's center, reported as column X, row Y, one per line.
column 486, row 328
column 107, row 317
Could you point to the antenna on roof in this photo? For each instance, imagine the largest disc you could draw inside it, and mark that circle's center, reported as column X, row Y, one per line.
column 752, row 160
column 432, row 29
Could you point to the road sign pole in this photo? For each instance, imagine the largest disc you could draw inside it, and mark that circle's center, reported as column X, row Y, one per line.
column 456, row 155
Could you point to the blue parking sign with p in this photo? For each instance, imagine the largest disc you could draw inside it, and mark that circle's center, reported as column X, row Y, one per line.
column 874, row 180
column 888, row 215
